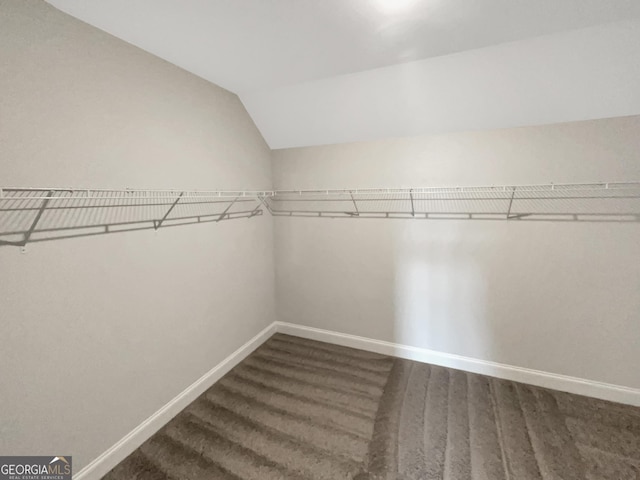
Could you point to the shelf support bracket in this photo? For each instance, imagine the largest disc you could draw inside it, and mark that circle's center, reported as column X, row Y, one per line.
column 158, row 224
column 264, row 202
column 520, row 215
column 513, row 193
column 355, row 205
column 254, row 212
column 13, row 244
column 413, row 210
column 226, row 210
column 28, row 233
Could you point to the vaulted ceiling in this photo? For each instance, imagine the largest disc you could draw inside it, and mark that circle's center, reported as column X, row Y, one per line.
column 328, row 71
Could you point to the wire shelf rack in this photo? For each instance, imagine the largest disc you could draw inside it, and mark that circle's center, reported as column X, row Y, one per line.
column 553, row 202
column 39, row 214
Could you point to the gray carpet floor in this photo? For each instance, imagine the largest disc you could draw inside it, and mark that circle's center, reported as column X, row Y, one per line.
column 300, row 409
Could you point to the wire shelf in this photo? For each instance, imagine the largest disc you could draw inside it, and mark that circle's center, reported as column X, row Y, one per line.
column 560, row 202
column 38, row 214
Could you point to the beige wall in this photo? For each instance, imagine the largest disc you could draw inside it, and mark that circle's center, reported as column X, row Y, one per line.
column 558, row 297
column 99, row 333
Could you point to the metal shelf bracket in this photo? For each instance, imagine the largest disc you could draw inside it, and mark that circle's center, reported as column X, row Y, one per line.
column 158, row 224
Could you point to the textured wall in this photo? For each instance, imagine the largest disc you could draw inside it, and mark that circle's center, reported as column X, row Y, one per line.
column 99, row 333
column 558, row 297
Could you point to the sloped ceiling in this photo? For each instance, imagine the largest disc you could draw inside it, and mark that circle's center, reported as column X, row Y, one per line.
column 328, row 71
column 578, row 75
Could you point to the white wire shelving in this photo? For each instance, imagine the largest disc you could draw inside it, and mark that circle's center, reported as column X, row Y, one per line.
column 37, row 214
column 552, row 202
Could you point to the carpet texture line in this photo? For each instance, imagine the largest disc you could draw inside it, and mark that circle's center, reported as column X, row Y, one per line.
column 298, row 409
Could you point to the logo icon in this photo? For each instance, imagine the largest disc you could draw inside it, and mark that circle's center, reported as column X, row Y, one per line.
column 35, row 468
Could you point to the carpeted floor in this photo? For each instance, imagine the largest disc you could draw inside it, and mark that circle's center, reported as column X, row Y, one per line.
column 299, row 409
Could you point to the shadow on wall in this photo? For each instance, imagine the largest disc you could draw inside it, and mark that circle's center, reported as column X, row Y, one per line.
column 28, row 216
column 545, row 296
column 440, row 288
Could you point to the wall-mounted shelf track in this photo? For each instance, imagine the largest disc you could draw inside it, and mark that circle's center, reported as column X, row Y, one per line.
column 553, row 202
column 38, row 214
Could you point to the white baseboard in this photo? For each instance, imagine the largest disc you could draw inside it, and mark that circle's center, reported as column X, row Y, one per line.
column 118, row 452
column 565, row 383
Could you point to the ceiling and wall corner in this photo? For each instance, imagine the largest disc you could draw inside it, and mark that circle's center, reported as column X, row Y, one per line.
column 335, row 71
column 579, row 75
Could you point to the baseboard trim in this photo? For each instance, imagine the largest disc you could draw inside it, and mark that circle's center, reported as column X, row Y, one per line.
column 118, row 452
column 565, row 383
